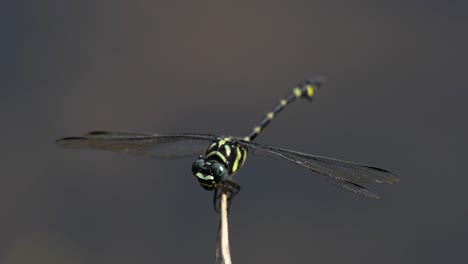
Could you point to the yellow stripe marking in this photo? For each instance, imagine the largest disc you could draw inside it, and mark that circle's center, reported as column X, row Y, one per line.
column 210, row 154
column 271, row 115
column 209, row 185
column 235, row 166
column 221, row 156
column 228, row 149
column 297, row 92
column 244, row 157
column 257, row 129
column 203, row 177
column 247, row 139
column 310, row 90
column 212, row 145
column 283, row 102
column 216, row 153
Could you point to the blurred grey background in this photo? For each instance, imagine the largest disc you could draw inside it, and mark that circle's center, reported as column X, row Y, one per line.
column 395, row 98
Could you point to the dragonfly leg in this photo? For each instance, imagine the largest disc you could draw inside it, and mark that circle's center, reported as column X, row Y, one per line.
column 232, row 189
column 228, row 187
column 216, row 199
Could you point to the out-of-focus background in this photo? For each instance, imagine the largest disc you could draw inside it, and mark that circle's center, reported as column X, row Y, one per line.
column 395, row 98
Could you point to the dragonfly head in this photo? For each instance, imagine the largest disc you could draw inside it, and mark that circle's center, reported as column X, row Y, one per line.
column 209, row 172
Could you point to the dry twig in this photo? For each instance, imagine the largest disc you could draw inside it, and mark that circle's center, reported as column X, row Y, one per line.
column 223, row 235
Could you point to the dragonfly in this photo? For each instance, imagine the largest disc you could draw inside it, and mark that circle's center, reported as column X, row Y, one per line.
column 221, row 157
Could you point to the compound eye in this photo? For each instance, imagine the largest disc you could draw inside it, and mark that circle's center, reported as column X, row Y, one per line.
column 219, row 171
column 198, row 165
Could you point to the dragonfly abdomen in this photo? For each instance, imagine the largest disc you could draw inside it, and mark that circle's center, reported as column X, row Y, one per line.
column 304, row 90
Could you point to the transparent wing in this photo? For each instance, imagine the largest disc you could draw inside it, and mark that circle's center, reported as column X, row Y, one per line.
column 353, row 187
column 341, row 173
column 150, row 145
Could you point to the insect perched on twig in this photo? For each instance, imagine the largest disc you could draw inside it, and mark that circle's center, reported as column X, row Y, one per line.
column 223, row 156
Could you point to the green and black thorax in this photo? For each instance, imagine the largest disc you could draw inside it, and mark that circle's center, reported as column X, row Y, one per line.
column 223, row 158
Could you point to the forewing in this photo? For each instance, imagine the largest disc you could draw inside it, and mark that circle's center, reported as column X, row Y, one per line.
column 150, row 145
column 341, row 173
